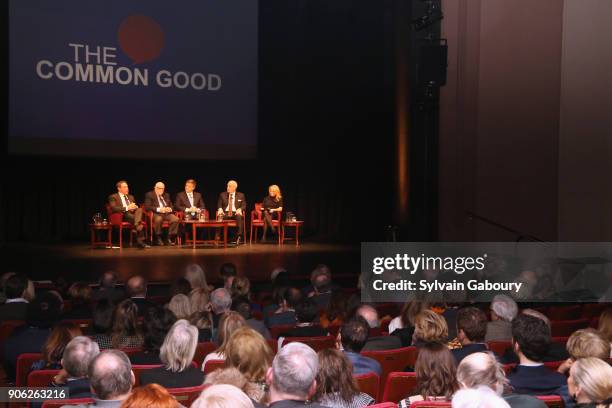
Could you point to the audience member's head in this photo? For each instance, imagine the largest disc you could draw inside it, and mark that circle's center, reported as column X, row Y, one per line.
column 80, row 294
column 291, row 297
column 370, row 314
column 196, row 276
column 481, row 369
column 322, row 283
column 228, row 324
column 220, row 301
column 605, row 324
column 537, row 315
column 200, row 308
column 293, row 373
column 181, row 285
column 44, row 311
column 241, row 287
column 321, row 273
column 15, row 286
column 430, row 327
column 250, row 353
column 588, row 343
column 590, row 382
column 222, row 396
column 56, row 343
column 503, row 308
column 102, row 316
column 307, row 311
column 335, row 376
column 110, row 375
column 276, row 272
column 436, row 371
column 354, row 334
column 242, row 306
column 150, row 395
column 180, row 306
column 481, row 397
column 125, row 322
column 530, row 337
column 410, row 310
column 136, row 286
column 179, row 346
column 471, row 325
column 77, row 356
column 108, row 280
column 228, row 272
column 156, row 325
column 232, row 376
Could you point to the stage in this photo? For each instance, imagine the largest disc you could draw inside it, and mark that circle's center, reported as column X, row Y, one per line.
column 256, row 261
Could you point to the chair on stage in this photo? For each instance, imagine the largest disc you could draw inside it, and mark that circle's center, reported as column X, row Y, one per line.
column 257, row 221
column 116, row 221
column 148, row 215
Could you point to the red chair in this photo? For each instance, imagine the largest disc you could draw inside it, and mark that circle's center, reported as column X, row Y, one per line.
column 499, row 347
column 317, row 343
column 552, row 401
column 61, row 403
column 591, row 310
column 368, row 383
column 187, row 395
column 139, row 368
column 202, row 350
column 571, row 312
column 116, row 221
column 212, row 365
column 132, row 350
column 148, row 215
column 560, row 328
column 561, row 340
column 393, row 360
column 553, row 365
column 431, row 404
column 275, row 331
column 24, row 363
column 273, row 343
column 41, row 378
column 508, row 368
column 399, row 385
column 7, row 327
column 258, row 222
column 383, row 405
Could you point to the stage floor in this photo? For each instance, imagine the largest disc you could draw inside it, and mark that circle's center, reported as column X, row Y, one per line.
column 80, row 262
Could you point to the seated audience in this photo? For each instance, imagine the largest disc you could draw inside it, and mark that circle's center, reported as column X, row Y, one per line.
column 353, row 336
column 102, row 316
column 481, row 397
column 228, row 272
column 108, row 288
column 240, row 288
column 320, row 273
column 590, row 383
column 136, row 288
column 231, row 322
column 429, row 327
column 42, row 314
column 156, row 325
column 124, row 332
column 605, row 325
column 322, row 290
column 285, row 314
column 220, row 304
column 79, row 353
column 176, row 355
column 200, row 313
column 405, row 321
column 232, row 376
column 243, row 306
column 335, row 312
column 336, row 386
column 180, row 306
column 53, row 349
column 436, row 375
column 180, row 286
column 150, row 395
column 15, row 307
column 503, row 310
column 81, row 297
column 222, row 396
column 585, row 343
column 250, row 353
column 530, row 340
column 471, row 330
column 307, row 314
column 292, row 377
column 370, row 314
column 196, row 277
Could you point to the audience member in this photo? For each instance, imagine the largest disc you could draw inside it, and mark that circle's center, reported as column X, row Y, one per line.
column 156, row 324
column 136, row 288
column 124, row 332
column 222, row 396
column 231, row 376
column 180, row 306
column 150, row 395
column 585, row 343
column 228, row 272
column 180, row 286
column 77, row 356
column 481, row 397
column 471, row 330
column 176, row 355
column 220, row 303
column 352, row 338
column 243, row 306
column 108, row 288
column 285, row 314
column 15, row 307
column 406, row 320
column 81, row 297
column 429, row 327
column 503, row 310
column 590, row 383
column 307, row 314
column 102, row 316
column 322, row 290
column 196, row 277
column 335, row 312
column 200, row 313
column 3, row 278
column 605, row 325
column 53, row 349
column 370, row 314
column 231, row 322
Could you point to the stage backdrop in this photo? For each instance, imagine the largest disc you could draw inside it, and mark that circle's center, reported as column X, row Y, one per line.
column 133, row 78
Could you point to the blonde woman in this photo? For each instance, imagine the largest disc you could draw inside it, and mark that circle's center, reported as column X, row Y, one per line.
column 200, row 313
column 271, row 204
column 197, row 278
column 229, row 323
column 590, row 383
column 180, row 306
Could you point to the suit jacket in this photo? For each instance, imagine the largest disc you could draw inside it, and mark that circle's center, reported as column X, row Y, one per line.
column 382, row 343
column 152, row 204
column 240, row 201
column 116, row 204
column 143, row 304
column 24, row 339
column 536, row 380
column 191, row 377
column 13, row 311
column 181, row 202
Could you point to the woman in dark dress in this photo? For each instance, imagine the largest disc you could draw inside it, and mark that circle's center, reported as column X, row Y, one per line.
column 270, row 206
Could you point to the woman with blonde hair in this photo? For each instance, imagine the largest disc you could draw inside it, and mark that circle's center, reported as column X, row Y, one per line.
column 201, row 317
column 590, row 383
column 180, row 306
column 271, row 204
column 196, row 277
column 429, row 327
column 229, row 323
column 222, row 396
column 251, row 354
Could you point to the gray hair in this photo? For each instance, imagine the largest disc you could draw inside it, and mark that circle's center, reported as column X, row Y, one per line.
column 294, row 369
column 180, row 306
column 179, row 346
column 78, row 354
column 220, row 300
column 481, row 369
column 505, row 307
column 222, row 396
column 481, row 397
column 110, row 374
column 370, row 314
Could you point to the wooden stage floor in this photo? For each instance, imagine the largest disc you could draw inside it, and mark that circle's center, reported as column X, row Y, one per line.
column 256, row 261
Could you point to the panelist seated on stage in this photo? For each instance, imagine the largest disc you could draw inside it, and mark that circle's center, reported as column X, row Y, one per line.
column 158, row 202
column 123, row 202
column 232, row 206
column 189, row 201
column 271, row 205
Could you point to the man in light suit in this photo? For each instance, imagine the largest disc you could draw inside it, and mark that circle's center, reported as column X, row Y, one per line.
column 232, row 206
column 123, row 202
column 158, row 202
column 189, row 201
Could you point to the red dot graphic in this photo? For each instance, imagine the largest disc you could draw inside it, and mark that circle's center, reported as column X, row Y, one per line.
column 141, row 38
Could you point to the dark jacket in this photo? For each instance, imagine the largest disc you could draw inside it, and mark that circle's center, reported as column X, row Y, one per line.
column 152, row 203
column 239, row 202
column 24, row 339
column 382, row 343
column 465, row 351
column 145, row 358
column 305, row 331
column 116, row 205
column 536, row 380
column 181, row 202
column 191, row 377
column 13, row 311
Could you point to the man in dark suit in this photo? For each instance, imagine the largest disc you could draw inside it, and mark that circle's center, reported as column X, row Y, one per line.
column 375, row 343
column 232, row 206
column 124, row 203
column 16, row 305
column 189, row 201
column 159, row 203
column 471, row 330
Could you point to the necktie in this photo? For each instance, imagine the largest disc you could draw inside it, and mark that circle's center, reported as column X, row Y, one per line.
column 127, row 200
column 161, row 200
column 191, row 199
column 231, row 204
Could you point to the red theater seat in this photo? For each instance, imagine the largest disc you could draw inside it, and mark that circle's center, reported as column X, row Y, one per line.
column 41, row 378
column 572, row 312
column 561, row 328
column 202, row 350
column 552, row 401
column 212, row 365
column 187, row 395
column 499, row 347
column 275, row 331
column 383, row 405
column 369, row 383
column 139, row 368
column 316, row 343
column 399, row 385
column 24, row 363
column 431, row 404
column 393, row 360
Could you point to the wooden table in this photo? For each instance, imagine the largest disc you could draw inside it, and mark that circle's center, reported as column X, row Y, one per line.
column 206, row 224
column 291, row 224
column 95, row 242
